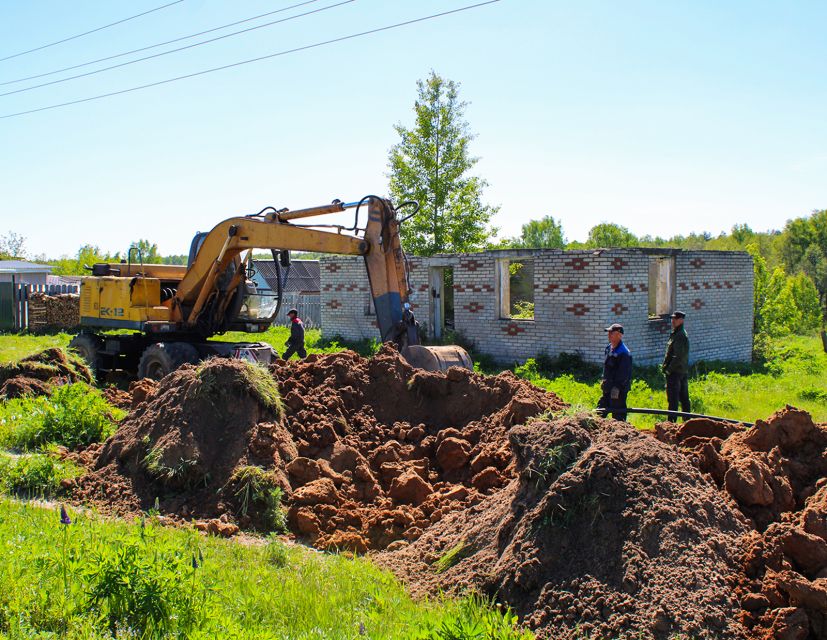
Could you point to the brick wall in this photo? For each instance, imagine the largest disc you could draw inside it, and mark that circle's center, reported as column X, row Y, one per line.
column 576, row 294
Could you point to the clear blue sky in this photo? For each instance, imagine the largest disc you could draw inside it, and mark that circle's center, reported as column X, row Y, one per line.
column 665, row 117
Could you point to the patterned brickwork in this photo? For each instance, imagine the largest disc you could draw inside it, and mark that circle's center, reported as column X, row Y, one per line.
column 576, row 294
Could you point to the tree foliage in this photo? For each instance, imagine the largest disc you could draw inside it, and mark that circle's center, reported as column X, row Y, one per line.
column 11, row 246
column 146, row 251
column 430, row 164
column 545, row 233
column 608, row 234
column 87, row 255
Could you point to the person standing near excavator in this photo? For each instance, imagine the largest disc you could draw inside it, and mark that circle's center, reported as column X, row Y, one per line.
column 676, row 367
column 295, row 343
column 617, row 374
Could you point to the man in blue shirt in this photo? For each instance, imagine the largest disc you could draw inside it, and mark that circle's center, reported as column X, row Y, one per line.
column 617, row 374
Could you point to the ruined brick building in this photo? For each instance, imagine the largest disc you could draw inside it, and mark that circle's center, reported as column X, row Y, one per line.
column 516, row 304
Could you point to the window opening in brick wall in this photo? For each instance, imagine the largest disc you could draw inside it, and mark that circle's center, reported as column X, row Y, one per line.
column 516, row 290
column 661, row 286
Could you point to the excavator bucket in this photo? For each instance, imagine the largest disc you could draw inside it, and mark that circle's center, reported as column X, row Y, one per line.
column 437, row 358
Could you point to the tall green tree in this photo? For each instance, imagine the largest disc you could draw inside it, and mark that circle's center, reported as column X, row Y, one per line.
column 545, row 233
column 804, row 248
column 431, row 164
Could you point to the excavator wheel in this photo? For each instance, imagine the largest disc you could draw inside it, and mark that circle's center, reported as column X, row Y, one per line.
column 437, row 358
column 87, row 347
column 161, row 359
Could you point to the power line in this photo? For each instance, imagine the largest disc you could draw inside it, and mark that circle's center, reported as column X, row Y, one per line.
column 160, row 44
column 165, row 53
column 86, row 33
column 243, row 62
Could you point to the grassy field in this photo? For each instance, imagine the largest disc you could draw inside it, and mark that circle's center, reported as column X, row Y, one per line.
column 15, row 346
column 794, row 373
column 97, row 578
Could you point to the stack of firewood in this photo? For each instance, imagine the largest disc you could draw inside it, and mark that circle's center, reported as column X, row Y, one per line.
column 61, row 311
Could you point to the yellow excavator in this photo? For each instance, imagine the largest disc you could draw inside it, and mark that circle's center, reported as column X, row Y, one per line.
column 175, row 309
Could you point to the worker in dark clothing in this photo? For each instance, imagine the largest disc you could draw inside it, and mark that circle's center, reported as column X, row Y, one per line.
column 617, row 374
column 295, row 344
column 676, row 367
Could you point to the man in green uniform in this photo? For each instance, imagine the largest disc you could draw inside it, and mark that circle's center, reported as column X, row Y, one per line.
column 676, row 367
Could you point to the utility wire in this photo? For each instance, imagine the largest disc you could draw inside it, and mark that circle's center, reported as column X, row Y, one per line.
column 160, row 44
column 86, row 33
column 165, row 53
column 266, row 57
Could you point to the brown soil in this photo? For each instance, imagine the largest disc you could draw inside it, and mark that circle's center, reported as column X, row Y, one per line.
column 38, row 373
column 604, row 532
column 584, row 526
column 776, row 474
column 367, row 452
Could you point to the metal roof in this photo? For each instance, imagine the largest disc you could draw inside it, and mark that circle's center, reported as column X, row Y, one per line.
column 22, row 266
column 303, row 277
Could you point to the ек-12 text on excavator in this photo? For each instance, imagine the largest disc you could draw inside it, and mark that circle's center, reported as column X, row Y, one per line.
column 174, row 309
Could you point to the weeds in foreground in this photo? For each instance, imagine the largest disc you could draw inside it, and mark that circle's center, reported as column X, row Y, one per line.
column 74, row 415
column 35, row 475
column 151, row 582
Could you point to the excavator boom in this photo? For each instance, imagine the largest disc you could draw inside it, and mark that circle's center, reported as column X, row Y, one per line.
column 182, row 306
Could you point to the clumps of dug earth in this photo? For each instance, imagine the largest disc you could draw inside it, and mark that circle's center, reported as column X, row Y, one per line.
column 776, row 474
column 38, row 374
column 603, row 532
column 586, row 527
column 365, row 453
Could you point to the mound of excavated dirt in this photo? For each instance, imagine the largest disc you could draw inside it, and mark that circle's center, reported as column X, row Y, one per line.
column 368, row 452
column 776, row 474
column 605, row 533
column 38, row 373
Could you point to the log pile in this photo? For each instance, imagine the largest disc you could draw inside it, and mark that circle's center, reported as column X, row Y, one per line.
column 61, row 311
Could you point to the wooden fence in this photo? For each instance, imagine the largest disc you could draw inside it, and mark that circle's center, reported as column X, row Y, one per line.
column 15, row 314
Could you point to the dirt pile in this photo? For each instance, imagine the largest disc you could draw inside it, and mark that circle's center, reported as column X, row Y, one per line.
column 368, row 452
column 38, row 373
column 138, row 392
column 776, row 473
column 604, row 532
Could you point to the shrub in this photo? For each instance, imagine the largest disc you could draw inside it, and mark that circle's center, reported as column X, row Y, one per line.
column 35, row 475
column 74, row 415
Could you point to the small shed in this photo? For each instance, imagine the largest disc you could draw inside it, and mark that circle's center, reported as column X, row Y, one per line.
column 23, row 272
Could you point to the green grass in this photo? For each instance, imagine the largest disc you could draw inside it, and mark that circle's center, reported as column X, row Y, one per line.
column 794, row 373
column 96, row 578
column 14, row 346
column 35, row 475
column 74, row 415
